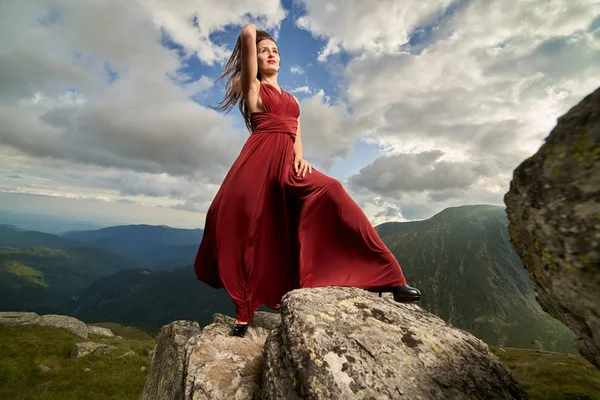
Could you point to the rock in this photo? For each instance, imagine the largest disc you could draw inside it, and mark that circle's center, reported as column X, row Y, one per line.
column 43, row 368
column 166, row 377
column 71, row 324
column 347, row 343
column 221, row 366
column 16, row 318
column 553, row 207
column 84, row 349
column 129, row 353
column 100, row 331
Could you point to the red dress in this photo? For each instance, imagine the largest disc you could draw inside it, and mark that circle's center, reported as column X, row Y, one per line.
column 269, row 231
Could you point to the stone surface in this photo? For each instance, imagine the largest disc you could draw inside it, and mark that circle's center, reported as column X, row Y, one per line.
column 127, row 354
column 347, row 343
column 553, row 207
column 221, row 366
column 17, row 318
column 71, row 324
column 85, row 349
column 167, row 373
column 100, row 331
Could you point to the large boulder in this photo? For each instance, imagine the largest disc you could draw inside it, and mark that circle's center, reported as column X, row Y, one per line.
column 18, row 318
column 221, row 366
column 85, row 349
column 167, row 373
column 100, row 331
column 328, row 343
column 71, row 324
column 553, row 208
column 346, row 343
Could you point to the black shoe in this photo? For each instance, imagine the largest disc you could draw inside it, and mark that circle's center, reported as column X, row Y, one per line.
column 403, row 294
column 406, row 294
column 239, row 330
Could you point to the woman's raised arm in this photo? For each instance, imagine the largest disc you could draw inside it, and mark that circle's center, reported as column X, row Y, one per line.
column 249, row 57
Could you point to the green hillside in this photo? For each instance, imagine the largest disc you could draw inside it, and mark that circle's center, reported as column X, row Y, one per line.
column 47, row 280
column 150, row 299
column 462, row 261
column 35, row 364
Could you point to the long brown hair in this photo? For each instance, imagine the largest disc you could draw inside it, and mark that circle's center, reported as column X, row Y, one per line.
column 233, row 72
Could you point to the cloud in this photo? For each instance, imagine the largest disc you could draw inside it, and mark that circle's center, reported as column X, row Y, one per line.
column 481, row 82
column 301, row 89
column 296, row 69
column 90, row 86
column 358, row 26
column 395, row 175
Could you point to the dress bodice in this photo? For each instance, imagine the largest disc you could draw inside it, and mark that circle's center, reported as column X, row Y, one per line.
column 280, row 115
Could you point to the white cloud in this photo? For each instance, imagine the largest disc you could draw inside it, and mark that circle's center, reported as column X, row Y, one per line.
column 296, row 69
column 99, row 108
column 301, row 89
column 483, row 84
column 359, row 26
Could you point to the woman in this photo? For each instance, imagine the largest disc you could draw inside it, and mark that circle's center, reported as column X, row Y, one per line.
column 276, row 223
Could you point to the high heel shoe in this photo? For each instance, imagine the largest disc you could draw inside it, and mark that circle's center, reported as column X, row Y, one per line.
column 403, row 294
column 239, row 330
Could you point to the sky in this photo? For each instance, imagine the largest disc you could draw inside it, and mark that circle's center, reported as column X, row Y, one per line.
column 414, row 106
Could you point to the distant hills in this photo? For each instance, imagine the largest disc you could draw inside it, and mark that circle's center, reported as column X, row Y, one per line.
column 151, row 246
column 461, row 259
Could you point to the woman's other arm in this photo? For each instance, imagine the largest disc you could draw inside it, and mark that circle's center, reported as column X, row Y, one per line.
column 249, row 57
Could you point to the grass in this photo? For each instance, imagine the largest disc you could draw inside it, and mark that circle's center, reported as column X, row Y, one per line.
column 126, row 332
column 552, row 376
column 24, row 349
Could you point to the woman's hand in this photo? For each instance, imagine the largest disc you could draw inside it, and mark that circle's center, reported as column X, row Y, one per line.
column 301, row 166
column 249, row 29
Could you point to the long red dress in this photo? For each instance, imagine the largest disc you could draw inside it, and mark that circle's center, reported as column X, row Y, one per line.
column 269, row 231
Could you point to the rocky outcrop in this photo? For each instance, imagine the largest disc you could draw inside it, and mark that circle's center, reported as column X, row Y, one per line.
column 339, row 343
column 328, row 343
column 73, row 325
column 100, row 331
column 15, row 318
column 167, row 370
column 553, row 208
column 190, row 363
column 85, row 349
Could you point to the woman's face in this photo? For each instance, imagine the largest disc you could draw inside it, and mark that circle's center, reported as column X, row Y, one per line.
column 268, row 57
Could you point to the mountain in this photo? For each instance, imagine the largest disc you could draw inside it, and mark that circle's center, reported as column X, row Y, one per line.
column 47, row 280
column 462, row 261
column 150, row 299
column 14, row 237
column 151, row 246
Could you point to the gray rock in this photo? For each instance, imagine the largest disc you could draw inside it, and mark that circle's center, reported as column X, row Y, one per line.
column 553, row 208
column 17, row 318
column 85, row 349
column 43, row 368
column 220, row 366
column 165, row 380
column 100, row 331
column 127, row 354
column 71, row 324
column 347, row 343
